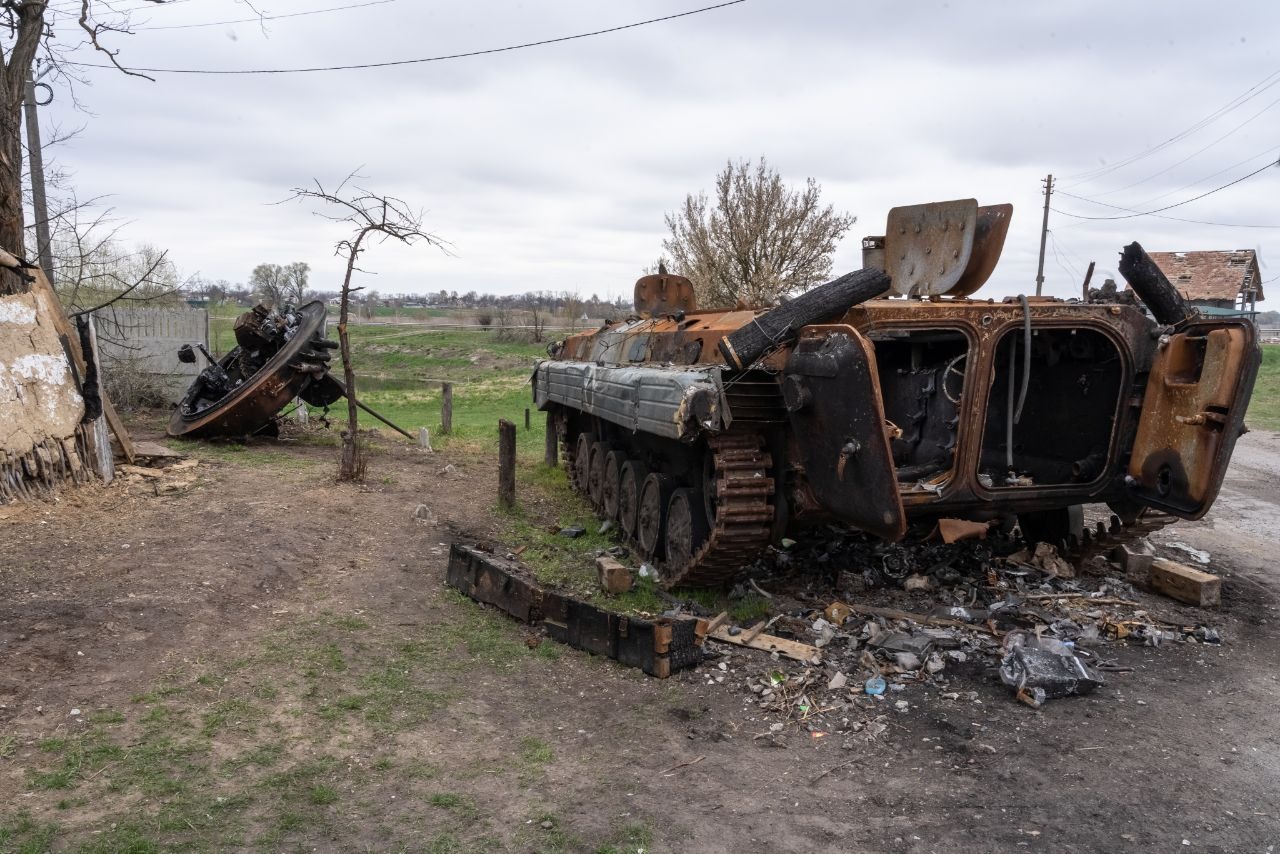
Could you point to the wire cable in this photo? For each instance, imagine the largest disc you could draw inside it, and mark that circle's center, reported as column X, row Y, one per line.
column 1265, row 83
column 1195, row 153
column 441, row 58
column 1133, row 214
column 265, row 18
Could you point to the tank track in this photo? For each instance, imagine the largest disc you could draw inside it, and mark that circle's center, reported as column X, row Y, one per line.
column 744, row 510
column 1104, row 537
column 744, row 513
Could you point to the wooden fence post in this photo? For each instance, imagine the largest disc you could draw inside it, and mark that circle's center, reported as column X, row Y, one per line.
column 552, row 455
column 506, row 463
column 446, row 408
column 526, row 418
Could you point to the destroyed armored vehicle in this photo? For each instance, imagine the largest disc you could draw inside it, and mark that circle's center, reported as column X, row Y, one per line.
column 891, row 397
column 279, row 356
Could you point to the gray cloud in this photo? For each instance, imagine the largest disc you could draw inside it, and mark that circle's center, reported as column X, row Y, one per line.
column 551, row 168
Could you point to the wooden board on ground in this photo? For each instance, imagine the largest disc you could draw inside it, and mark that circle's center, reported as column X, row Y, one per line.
column 770, row 643
column 1184, row 583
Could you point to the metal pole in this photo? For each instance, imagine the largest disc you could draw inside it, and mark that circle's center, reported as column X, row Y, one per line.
column 1044, row 234
column 36, row 159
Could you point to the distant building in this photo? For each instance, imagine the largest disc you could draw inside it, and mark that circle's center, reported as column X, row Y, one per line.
column 1216, row 282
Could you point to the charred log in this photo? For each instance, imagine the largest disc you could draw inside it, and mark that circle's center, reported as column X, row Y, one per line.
column 781, row 325
column 1150, row 284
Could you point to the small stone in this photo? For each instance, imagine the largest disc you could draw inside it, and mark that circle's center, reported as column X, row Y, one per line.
column 775, row 727
column 838, row 681
column 902, row 705
column 75, row 713
column 724, row 665
column 547, row 825
column 917, row 583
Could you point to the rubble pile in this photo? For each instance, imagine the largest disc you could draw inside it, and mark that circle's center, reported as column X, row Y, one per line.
column 978, row 608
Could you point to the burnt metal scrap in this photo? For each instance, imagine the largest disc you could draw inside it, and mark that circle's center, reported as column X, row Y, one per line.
column 278, row 356
column 890, row 397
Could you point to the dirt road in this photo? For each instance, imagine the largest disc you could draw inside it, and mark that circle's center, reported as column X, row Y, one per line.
column 245, row 676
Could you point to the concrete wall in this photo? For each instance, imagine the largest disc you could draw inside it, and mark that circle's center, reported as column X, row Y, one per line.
column 148, row 339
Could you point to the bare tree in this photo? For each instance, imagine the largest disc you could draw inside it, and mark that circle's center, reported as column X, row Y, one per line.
column 371, row 216
column 295, row 277
column 271, row 282
column 538, row 319
column 28, row 28
column 760, row 240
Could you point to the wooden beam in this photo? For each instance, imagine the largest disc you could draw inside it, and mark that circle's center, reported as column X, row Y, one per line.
column 769, row 643
column 1181, row 582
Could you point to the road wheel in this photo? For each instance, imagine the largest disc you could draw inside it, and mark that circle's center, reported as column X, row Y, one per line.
column 651, row 517
column 631, row 482
column 611, row 482
column 686, row 528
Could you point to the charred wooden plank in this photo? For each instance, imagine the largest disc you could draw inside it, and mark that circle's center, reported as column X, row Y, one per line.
column 659, row 647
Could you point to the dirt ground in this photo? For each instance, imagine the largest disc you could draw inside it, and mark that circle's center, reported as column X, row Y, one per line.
column 269, row 660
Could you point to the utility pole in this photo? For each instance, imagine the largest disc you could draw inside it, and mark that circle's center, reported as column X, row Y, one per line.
column 1044, row 234
column 36, row 159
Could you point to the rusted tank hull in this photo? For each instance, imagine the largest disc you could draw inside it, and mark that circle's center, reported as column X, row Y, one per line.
column 900, row 411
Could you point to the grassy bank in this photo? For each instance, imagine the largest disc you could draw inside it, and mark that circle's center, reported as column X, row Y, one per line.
column 1264, row 408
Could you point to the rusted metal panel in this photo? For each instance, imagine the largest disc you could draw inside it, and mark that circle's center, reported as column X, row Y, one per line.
column 833, row 396
column 1192, row 414
column 927, row 247
column 988, row 242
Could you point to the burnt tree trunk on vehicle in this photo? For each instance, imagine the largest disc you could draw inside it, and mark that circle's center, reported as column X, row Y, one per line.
column 1152, row 286
column 779, row 325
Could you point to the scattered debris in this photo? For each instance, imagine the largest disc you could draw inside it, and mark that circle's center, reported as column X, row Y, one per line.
column 770, row 643
column 573, row 531
column 1040, row 669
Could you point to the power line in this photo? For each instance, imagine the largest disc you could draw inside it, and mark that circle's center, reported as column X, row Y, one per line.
column 441, row 58
column 1092, row 174
column 263, row 18
column 1195, row 153
column 1264, row 152
column 1133, row 214
column 1159, row 216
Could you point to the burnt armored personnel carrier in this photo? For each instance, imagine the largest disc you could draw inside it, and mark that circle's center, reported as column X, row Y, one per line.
column 891, row 396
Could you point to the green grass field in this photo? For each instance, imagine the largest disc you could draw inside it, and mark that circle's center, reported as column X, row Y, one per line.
column 1264, row 408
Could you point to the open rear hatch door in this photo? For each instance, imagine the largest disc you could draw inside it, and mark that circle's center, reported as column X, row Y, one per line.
column 1193, row 412
column 832, row 393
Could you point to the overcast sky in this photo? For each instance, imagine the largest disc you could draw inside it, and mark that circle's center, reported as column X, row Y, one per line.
column 550, row 168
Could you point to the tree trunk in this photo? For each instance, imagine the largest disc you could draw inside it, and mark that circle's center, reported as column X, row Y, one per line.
column 742, row 347
column 14, row 70
column 349, row 467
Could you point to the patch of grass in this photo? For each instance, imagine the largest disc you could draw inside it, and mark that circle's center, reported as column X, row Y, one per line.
column 1264, row 406
column 262, row 756
column 233, row 713
column 459, row 805
column 323, row 795
column 534, row 751
column 22, row 834
column 77, row 755
column 629, row 839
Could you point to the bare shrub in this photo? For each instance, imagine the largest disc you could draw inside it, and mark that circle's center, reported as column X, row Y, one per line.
column 129, row 385
column 484, row 319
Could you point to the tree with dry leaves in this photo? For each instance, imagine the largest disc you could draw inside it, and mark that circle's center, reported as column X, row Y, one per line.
column 759, row 241
column 371, row 217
